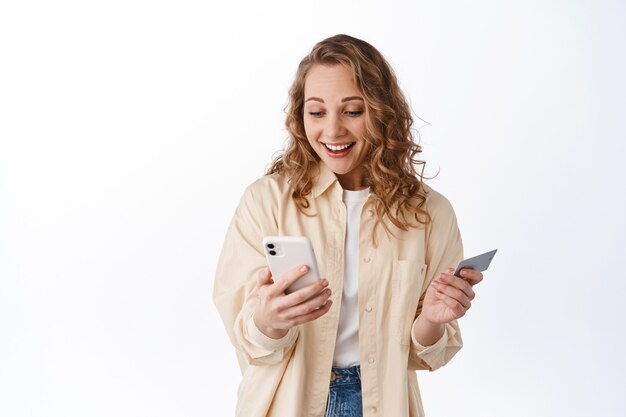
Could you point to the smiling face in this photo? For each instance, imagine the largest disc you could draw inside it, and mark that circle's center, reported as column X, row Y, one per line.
column 334, row 122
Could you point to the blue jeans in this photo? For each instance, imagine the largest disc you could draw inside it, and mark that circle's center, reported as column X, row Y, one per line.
column 344, row 396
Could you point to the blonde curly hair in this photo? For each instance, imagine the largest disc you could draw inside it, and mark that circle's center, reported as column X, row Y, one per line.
column 390, row 166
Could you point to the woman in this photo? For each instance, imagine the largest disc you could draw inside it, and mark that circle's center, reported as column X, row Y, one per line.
column 388, row 305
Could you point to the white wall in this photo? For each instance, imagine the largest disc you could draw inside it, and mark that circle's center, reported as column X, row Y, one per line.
column 129, row 129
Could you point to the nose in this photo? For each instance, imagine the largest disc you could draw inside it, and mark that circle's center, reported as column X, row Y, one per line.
column 334, row 127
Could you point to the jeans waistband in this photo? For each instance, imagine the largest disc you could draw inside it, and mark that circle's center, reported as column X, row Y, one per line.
column 343, row 372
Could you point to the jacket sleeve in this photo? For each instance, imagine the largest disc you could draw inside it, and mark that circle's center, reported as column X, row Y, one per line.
column 234, row 290
column 444, row 249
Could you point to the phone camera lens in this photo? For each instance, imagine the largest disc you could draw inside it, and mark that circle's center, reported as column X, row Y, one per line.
column 270, row 245
column 272, row 252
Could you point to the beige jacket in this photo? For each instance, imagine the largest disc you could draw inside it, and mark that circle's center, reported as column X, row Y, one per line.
column 289, row 377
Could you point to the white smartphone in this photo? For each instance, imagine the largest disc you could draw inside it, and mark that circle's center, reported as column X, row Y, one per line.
column 479, row 263
column 287, row 252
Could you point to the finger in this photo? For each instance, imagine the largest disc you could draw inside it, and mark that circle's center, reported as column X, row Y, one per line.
column 265, row 277
column 309, row 305
column 453, row 293
column 303, row 294
column 315, row 314
column 472, row 276
column 459, row 283
column 288, row 278
column 456, row 307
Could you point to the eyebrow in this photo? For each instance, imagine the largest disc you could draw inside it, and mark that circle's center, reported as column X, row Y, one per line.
column 343, row 100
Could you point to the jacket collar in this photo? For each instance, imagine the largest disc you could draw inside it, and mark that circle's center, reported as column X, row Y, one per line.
column 325, row 178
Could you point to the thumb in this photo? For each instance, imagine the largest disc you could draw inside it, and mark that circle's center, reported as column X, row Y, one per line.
column 265, row 277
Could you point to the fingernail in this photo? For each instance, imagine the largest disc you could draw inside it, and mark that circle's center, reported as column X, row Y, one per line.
column 464, row 273
column 304, row 268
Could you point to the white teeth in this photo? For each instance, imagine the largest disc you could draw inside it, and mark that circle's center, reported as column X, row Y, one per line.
column 337, row 148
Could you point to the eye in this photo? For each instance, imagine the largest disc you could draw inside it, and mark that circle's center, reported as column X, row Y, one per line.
column 354, row 113
column 316, row 113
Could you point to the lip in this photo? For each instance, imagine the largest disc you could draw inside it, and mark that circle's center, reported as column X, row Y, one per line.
column 339, row 154
column 337, row 143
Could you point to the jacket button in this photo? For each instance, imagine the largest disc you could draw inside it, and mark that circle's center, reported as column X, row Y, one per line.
column 370, row 360
column 368, row 309
column 367, row 260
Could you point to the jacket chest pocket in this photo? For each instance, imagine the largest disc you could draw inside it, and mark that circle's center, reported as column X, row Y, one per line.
column 407, row 282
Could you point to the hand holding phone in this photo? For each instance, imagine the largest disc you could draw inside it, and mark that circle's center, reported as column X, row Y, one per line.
column 278, row 309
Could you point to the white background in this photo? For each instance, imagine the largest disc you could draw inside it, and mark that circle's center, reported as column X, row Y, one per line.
column 129, row 130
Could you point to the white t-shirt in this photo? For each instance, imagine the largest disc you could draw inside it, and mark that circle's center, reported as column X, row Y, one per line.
column 347, row 344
